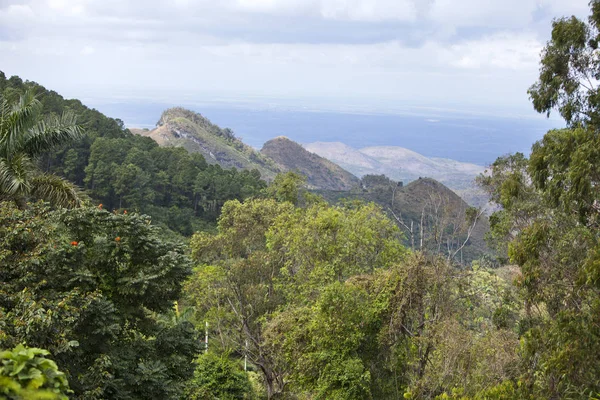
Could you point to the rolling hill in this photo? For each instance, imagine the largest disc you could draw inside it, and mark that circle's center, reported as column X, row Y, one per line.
column 192, row 131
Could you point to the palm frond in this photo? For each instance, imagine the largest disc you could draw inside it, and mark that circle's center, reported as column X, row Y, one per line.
column 53, row 131
column 16, row 120
column 57, row 191
column 15, row 175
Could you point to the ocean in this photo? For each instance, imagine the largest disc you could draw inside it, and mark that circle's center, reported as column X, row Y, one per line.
column 473, row 138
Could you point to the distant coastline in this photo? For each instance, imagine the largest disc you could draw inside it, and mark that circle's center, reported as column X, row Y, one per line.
column 472, row 138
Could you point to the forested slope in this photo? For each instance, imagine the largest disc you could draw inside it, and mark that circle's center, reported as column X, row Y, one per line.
column 431, row 216
column 120, row 170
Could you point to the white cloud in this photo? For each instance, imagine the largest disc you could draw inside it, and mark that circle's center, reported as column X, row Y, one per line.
column 503, row 50
column 483, row 13
column 18, row 12
column 559, row 8
column 87, row 50
column 352, row 10
column 365, row 10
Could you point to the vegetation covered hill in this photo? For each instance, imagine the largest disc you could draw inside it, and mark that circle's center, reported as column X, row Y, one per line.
column 404, row 165
column 431, row 215
column 319, row 172
column 179, row 127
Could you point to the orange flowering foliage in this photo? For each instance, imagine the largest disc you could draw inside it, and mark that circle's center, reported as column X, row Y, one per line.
column 100, row 206
column 118, row 239
column 74, row 243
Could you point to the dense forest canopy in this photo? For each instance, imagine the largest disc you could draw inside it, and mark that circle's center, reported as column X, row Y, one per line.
column 289, row 296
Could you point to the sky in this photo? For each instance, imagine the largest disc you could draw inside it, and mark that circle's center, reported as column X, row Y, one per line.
column 458, row 54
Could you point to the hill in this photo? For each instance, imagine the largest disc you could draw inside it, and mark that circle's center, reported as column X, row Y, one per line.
column 184, row 128
column 320, row 172
column 424, row 207
column 405, row 166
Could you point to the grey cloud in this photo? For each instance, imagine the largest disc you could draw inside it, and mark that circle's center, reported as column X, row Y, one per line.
column 234, row 20
column 151, row 47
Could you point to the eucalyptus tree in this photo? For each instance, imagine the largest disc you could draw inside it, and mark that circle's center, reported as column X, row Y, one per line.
column 24, row 136
column 550, row 218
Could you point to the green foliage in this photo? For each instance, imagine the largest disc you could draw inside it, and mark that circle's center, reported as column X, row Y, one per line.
column 87, row 285
column 286, row 187
column 549, row 222
column 26, row 374
column 268, row 256
column 548, row 228
column 325, row 303
column 218, row 377
column 24, row 136
column 569, row 70
column 172, row 185
column 322, row 244
column 323, row 343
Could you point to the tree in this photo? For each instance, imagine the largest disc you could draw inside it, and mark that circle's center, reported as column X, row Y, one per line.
column 218, row 377
column 89, row 286
column 570, row 70
column 550, row 218
column 269, row 255
column 286, row 187
column 25, row 136
column 324, row 345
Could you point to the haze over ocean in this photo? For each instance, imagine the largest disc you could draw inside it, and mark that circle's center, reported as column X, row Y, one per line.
column 478, row 139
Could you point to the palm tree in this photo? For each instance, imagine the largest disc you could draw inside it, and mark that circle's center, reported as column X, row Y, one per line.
column 24, row 136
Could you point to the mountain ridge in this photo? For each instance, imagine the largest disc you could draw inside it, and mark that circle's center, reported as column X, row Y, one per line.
column 181, row 127
column 319, row 171
column 184, row 128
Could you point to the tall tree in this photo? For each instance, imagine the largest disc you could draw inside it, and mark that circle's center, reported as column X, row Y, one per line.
column 570, row 70
column 550, row 218
column 24, row 136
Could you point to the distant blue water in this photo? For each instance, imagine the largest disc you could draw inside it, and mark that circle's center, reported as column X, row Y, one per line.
column 464, row 138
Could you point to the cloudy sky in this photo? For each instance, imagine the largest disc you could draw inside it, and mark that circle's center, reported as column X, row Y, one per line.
column 466, row 54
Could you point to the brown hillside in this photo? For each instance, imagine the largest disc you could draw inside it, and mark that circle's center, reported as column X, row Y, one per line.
column 320, row 172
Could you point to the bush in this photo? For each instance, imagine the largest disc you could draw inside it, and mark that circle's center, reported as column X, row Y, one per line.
column 26, row 374
column 219, row 377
